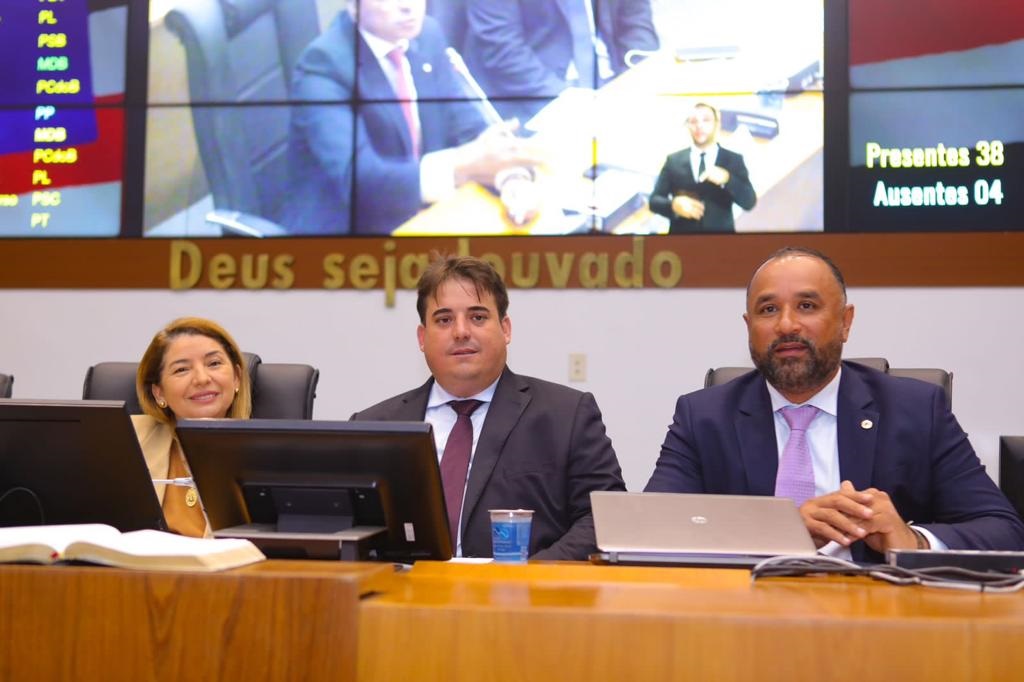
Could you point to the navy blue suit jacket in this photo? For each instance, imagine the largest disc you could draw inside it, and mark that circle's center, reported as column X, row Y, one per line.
column 350, row 153
column 522, row 48
column 543, row 447
column 895, row 434
column 677, row 177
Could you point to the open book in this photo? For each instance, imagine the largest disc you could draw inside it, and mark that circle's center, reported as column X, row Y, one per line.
column 102, row 544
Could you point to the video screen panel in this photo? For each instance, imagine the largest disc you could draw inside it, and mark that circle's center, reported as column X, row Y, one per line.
column 511, row 117
column 62, row 94
column 939, row 160
column 936, row 136
column 936, row 43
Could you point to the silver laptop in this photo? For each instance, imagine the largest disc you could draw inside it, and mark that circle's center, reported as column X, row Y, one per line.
column 699, row 530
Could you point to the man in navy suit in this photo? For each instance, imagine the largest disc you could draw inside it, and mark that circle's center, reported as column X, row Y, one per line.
column 698, row 185
column 891, row 466
column 536, row 445
column 380, row 124
column 534, row 49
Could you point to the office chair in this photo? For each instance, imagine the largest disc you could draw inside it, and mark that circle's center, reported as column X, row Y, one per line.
column 931, row 375
column 116, row 381
column 6, row 385
column 940, row 377
column 284, row 391
column 240, row 56
column 1011, row 470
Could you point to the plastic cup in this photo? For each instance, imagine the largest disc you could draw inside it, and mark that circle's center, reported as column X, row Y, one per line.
column 510, row 534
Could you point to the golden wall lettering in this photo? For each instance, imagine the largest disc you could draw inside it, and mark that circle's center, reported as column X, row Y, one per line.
column 225, row 270
column 393, row 264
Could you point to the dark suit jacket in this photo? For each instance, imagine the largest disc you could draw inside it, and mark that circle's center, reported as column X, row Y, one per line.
column 543, row 447
column 522, row 48
column 356, row 137
column 677, row 177
column 722, row 440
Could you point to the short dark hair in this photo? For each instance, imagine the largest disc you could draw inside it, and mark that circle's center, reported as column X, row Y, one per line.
column 792, row 251
column 442, row 268
column 152, row 364
column 703, row 105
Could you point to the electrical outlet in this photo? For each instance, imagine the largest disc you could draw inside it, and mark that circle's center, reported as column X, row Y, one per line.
column 577, row 366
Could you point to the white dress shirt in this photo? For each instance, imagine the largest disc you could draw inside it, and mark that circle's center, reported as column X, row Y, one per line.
column 437, row 168
column 442, row 417
column 381, row 49
column 710, row 159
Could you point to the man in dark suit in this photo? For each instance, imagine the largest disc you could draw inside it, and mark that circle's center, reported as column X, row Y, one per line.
column 379, row 111
column 890, row 466
column 698, row 185
column 536, row 445
column 536, row 48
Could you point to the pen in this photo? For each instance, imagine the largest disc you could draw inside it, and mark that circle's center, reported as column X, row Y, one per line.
column 183, row 481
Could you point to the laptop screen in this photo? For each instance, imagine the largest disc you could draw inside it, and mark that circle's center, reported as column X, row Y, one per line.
column 693, row 525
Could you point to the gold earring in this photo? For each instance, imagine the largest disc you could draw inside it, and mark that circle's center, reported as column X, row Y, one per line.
column 236, row 389
column 161, row 403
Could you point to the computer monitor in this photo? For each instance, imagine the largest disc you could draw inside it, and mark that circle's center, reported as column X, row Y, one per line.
column 1011, row 470
column 75, row 461
column 321, row 489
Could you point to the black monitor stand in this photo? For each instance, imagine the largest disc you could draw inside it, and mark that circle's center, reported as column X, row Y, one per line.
column 307, row 520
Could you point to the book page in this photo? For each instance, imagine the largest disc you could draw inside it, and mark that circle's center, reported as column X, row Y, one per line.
column 55, row 537
column 153, row 549
column 159, row 543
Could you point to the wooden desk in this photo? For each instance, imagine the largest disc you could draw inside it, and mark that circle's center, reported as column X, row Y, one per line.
column 580, row 622
column 286, row 620
column 278, row 620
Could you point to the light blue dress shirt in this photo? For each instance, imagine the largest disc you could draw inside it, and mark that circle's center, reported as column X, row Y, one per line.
column 823, row 441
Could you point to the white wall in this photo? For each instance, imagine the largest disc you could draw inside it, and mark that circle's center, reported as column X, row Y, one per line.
column 644, row 348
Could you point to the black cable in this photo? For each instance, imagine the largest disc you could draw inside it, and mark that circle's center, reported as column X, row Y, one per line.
column 952, row 577
column 35, row 498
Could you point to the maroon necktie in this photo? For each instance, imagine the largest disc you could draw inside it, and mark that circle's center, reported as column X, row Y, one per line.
column 404, row 92
column 455, row 462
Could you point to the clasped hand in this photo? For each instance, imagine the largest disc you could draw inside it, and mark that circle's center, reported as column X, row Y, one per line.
column 848, row 515
column 494, row 150
column 491, row 155
column 687, row 207
column 716, row 175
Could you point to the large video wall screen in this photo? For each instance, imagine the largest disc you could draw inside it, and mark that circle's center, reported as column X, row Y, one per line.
column 506, row 117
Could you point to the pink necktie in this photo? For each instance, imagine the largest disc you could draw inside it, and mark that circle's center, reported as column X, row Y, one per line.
column 795, row 478
column 404, row 92
column 455, row 462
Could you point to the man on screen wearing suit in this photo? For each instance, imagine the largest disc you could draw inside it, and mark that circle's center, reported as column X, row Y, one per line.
column 537, row 48
column 698, row 185
column 378, row 108
column 879, row 461
column 535, row 445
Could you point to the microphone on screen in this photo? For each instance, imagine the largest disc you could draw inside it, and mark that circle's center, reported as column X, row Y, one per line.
column 491, row 114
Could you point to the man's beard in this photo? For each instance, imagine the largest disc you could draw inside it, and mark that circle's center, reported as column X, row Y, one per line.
column 797, row 375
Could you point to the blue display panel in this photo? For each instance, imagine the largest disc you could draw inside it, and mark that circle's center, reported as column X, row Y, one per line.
column 62, row 97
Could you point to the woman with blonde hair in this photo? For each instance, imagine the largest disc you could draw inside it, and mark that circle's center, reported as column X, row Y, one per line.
column 192, row 369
